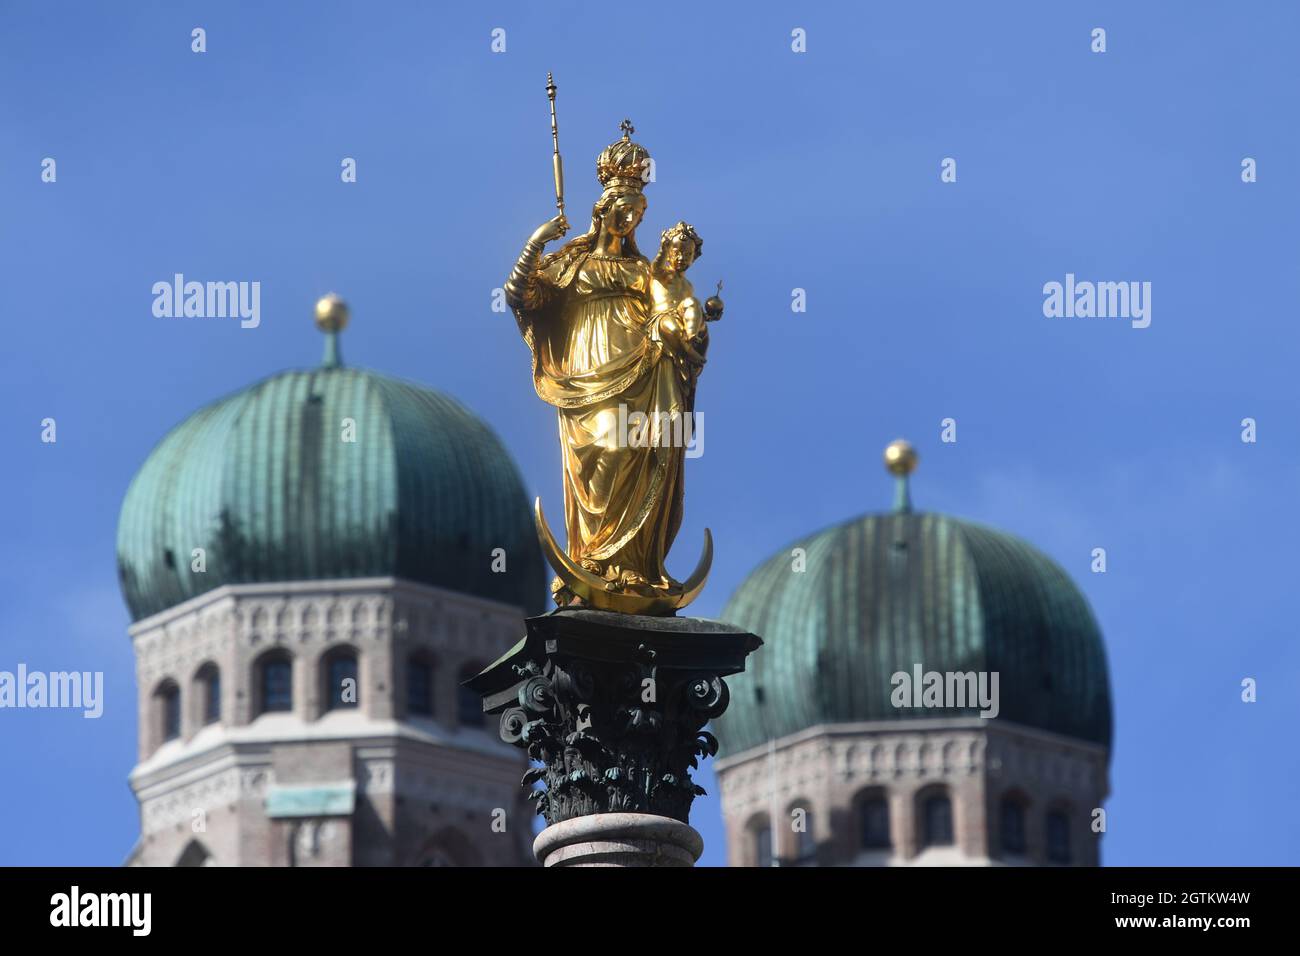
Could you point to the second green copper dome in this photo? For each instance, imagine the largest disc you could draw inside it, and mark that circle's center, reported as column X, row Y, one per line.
column 883, row 593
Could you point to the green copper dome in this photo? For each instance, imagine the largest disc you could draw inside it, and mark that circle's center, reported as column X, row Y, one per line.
column 265, row 483
column 883, row 593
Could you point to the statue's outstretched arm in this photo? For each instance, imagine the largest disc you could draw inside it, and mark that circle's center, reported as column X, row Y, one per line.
column 522, row 288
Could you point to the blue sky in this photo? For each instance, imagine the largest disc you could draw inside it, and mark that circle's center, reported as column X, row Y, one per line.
column 817, row 171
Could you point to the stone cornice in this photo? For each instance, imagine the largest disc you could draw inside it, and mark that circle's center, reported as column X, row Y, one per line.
column 288, row 589
column 170, row 762
column 918, row 725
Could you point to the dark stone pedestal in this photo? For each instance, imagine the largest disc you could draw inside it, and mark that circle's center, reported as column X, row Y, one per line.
column 614, row 707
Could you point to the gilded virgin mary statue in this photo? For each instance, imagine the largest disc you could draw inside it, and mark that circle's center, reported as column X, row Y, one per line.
column 617, row 344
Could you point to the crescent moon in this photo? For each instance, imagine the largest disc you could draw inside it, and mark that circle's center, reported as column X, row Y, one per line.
column 600, row 594
column 693, row 585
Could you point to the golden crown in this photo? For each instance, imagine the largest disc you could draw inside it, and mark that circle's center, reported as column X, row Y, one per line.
column 624, row 163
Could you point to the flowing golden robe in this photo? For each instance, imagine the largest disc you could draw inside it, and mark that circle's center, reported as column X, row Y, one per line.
column 586, row 319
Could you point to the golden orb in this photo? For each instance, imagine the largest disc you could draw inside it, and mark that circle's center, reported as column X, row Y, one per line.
column 900, row 457
column 331, row 313
column 713, row 308
column 713, row 305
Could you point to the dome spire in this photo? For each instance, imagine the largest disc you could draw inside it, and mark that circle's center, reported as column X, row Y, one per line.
column 900, row 461
column 331, row 318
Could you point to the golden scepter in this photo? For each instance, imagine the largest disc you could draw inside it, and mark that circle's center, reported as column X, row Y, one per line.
column 555, row 139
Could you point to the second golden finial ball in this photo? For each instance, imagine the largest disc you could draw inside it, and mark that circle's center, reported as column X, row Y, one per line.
column 900, row 457
column 331, row 313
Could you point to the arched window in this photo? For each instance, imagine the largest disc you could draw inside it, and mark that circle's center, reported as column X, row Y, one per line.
column 207, row 685
column 873, row 816
column 1058, row 837
column 449, row 847
column 169, row 710
column 762, row 837
column 341, row 690
column 936, row 821
column 275, row 683
column 469, row 708
column 419, row 685
column 194, row 854
column 1011, row 825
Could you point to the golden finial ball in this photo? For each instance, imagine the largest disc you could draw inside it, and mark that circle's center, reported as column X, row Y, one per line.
column 331, row 313
column 900, row 457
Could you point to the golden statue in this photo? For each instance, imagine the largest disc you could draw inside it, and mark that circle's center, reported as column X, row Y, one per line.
column 615, row 340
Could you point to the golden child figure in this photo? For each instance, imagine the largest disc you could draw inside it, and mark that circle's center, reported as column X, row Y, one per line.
column 677, row 316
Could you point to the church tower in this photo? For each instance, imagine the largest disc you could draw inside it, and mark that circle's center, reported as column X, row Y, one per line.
column 313, row 565
column 834, row 756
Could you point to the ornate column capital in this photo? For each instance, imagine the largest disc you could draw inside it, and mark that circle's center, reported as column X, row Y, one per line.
column 614, row 707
